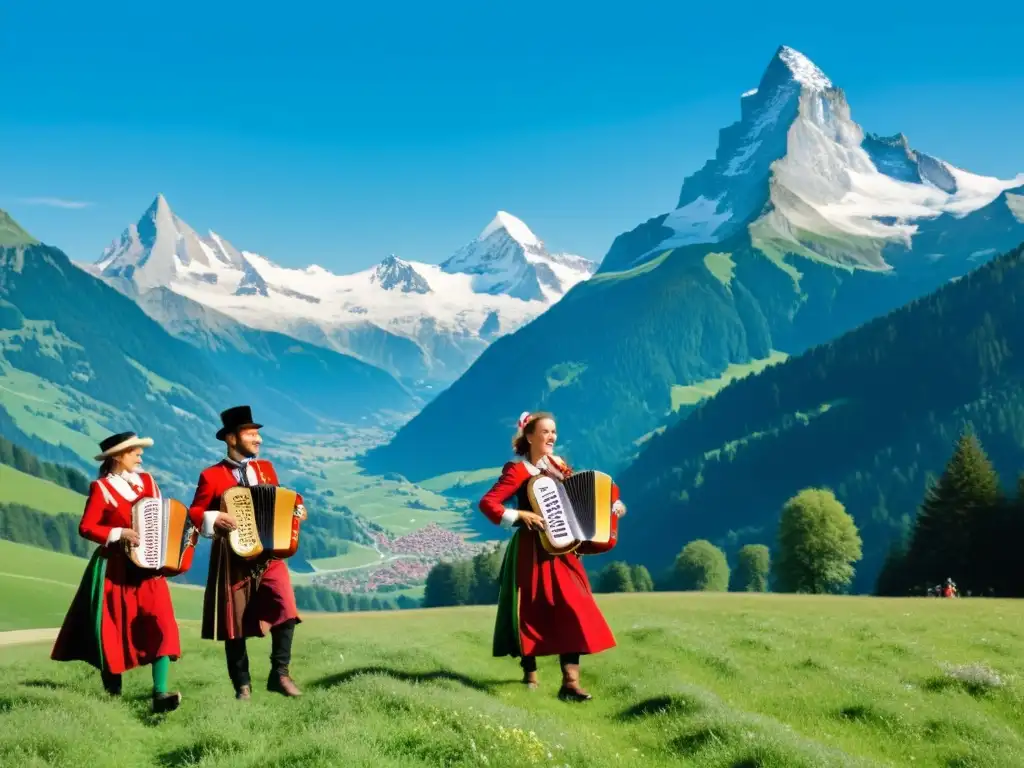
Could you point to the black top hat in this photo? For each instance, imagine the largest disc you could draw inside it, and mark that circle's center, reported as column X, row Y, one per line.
column 235, row 419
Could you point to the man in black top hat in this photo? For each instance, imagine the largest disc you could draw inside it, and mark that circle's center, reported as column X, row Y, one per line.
column 244, row 598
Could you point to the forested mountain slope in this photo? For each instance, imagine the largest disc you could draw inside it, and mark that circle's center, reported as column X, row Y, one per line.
column 872, row 415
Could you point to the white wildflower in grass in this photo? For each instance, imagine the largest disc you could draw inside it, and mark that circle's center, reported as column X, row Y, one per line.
column 974, row 677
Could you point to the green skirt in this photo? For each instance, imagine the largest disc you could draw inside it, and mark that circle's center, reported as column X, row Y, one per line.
column 81, row 635
column 506, row 625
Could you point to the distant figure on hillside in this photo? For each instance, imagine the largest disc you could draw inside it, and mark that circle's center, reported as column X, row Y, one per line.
column 949, row 588
column 545, row 603
column 130, row 606
column 243, row 598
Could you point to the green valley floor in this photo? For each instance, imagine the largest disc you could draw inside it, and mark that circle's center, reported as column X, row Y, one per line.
column 726, row 681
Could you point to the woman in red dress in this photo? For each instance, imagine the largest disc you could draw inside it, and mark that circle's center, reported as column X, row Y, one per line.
column 122, row 615
column 545, row 604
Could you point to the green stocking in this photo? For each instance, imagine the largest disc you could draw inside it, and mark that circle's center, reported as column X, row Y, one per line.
column 160, row 669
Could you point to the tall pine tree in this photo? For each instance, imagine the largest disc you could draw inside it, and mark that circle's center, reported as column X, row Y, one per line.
column 953, row 529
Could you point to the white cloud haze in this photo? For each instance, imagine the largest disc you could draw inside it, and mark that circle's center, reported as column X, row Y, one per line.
column 54, row 202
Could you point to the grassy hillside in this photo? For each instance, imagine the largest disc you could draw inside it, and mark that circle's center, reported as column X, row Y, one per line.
column 19, row 488
column 872, row 415
column 719, row 681
column 11, row 233
column 38, row 586
column 697, row 393
column 620, row 351
column 35, row 509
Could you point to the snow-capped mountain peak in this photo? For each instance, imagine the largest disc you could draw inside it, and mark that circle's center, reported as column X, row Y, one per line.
column 395, row 274
column 803, row 178
column 160, row 248
column 513, row 227
column 803, row 70
column 507, row 258
column 417, row 320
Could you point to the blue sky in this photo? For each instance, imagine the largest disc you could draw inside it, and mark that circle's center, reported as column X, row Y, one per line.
column 316, row 133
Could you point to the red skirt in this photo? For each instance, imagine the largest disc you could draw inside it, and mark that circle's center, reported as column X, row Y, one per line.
column 545, row 604
column 120, row 618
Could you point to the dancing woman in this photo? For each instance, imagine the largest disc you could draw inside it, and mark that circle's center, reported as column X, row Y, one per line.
column 545, row 604
column 121, row 616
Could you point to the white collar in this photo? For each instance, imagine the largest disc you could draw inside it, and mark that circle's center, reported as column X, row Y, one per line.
column 552, row 464
column 131, row 477
column 125, row 484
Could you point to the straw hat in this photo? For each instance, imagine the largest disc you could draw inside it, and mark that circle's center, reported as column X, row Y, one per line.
column 122, row 441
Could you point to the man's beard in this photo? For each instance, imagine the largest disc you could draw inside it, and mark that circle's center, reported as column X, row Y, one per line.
column 243, row 452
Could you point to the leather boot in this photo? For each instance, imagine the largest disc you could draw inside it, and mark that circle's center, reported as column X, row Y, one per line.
column 280, row 682
column 280, row 656
column 570, row 690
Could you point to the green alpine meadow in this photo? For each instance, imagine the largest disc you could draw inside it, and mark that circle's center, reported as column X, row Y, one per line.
column 716, row 680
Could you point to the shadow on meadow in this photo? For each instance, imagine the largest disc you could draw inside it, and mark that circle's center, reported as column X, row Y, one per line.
column 34, row 696
column 415, row 678
column 201, row 748
column 677, row 706
column 47, row 684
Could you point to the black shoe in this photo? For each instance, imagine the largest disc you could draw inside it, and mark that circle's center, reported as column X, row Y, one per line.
column 166, row 702
column 112, row 684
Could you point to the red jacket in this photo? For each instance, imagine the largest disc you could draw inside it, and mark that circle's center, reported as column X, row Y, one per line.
column 215, row 480
column 109, row 506
column 514, row 475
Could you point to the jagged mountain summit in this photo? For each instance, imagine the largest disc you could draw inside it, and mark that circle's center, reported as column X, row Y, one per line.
column 421, row 322
column 160, row 249
column 802, row 227
column 103, row 361
column 805, row 179
column 394, row 274
column 507, row 258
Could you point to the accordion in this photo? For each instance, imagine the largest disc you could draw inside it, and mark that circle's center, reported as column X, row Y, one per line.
column 577, row 512
column 167, row 538
column 268, row 518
